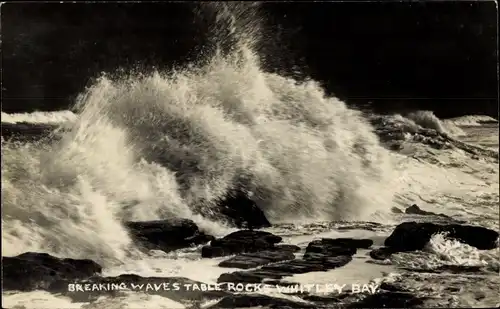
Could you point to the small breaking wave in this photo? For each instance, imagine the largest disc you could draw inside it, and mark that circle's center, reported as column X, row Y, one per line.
column 473, row 120
column 58, row 117
column 442, row 252
column 427, row 120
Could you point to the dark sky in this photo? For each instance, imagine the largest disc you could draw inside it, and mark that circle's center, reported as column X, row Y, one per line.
column 398, row 56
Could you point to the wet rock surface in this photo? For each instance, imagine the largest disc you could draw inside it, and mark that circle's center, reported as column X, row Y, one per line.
column 79, row 281
column 411, row 236
column 243, row 241
column 261, row 257
column 382, row 253
column 322, row 263
column 396, row 210
column 321, row 255
column 287, row 248
column 253, row 260
column 415, row 210
column 284, row 269
column 243, row 212
column 329, row 244
column 32, row 271
column 167, row 235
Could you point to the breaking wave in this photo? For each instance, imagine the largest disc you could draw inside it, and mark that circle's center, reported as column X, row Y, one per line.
column 442, row 251
column 151, row 146
column 427, row 120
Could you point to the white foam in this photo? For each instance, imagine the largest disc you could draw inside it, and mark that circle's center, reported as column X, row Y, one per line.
column 452, row 252
column 411, row 122
column 427, row 119
column 441, row 251
column 134, row 301
column 37, row 300
column 58, row 117
column 472, row 120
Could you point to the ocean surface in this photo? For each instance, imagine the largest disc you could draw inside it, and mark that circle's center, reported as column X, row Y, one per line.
column 152, row 146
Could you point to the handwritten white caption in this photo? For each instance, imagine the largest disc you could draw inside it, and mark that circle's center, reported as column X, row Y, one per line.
column 370, row 288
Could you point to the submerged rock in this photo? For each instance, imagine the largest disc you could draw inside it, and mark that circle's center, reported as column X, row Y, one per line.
column 411, row 236
column 167, row 235
column 37, row 271
column 244, row 241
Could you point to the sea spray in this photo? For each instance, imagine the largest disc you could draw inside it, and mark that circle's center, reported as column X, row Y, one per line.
column 166, row 144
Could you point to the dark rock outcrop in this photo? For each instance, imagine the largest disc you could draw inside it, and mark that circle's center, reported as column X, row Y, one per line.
column 244, row 241
column 167, row 235
column 381, row 253
column 410, row 236
column 321, row 255
column 32, row 271
column 253, row 276
column 252, row 260
column 328, row 247
column 287, row 247
column 284, row 269
column 415, row 210
column 330, row 243
column 396, row 210
column 80, row 280
column 322, row 263
column 243, row 212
